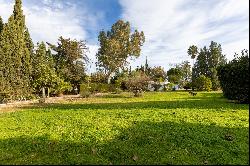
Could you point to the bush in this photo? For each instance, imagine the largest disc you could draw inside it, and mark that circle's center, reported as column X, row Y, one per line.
column 99, row 87
column 85, row 90
column 4, row 97
column 188, row 85
column 234, row 78
column 203, row 83
column 137, row 83
column 61, row 87
column 156, row 86
column 169, row 86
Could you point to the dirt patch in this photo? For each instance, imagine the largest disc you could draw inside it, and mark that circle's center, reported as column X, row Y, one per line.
column 15, row 106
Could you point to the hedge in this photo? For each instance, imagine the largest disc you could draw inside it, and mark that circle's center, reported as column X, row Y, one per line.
column 234, row 79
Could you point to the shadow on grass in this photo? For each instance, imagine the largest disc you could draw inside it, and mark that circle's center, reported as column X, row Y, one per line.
column 114, row 96
column 142, row 143
column 192, row 103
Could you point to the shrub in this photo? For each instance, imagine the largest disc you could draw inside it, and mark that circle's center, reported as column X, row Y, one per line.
column 137, row 83
column 234, row 78
column 156, row 86
column 4, row 97
column 85, row 90
column 99, row 77
column 61, row 87
column 99, row 87
column 169, row 86
column 203, row 83
column 188, row 85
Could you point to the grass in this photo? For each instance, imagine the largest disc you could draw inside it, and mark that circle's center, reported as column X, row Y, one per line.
column 159, row 128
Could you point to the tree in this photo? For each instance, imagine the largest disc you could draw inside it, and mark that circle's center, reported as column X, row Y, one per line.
column 1, row 25
column 234, row 78
column 137, row 83
column 207, row 62
column 16, row 57
column 201, row 66
column 117, row 45
column 186, row 73
column 192, row 51
column 174, row 75
column 44, row 75
column 157, row 74
column 215, row 59
column 203, row 83
column 70, row 60
column 98, row 77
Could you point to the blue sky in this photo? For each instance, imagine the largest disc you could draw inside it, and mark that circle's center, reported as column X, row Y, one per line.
column 170, row 26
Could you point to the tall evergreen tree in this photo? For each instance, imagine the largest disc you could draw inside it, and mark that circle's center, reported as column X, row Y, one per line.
column 1, row 24
column 1, row 58
column 44, row 74
column 16, row 67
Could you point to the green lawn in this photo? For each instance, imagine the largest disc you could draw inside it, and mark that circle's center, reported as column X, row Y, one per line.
column 159, row 128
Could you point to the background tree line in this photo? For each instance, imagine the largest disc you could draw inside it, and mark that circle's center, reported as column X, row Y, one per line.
column 27, row 69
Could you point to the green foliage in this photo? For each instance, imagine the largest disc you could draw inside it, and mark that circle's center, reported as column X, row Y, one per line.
column 117, row 45
column 1, row 25
column 85, row 90
column 156, row 86
column 99, row 87
column 208, row 60
column 96, row 87
column 203, row 83
column 170, row 86
column 157, row 74
column 15, row 66
column 98, row 77
column 70, row 60
column 192, row 51
column 174, row 75
column 162, row 128
column 137, row 82
column 188, row 85
column 234, row 78
column 186, row 73
column 44, row 74
column 62, row 86
column 4, row 97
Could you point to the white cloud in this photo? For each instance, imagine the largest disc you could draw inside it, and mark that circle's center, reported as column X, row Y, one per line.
column 48, row 20
column 5, row 9
column 171, row 27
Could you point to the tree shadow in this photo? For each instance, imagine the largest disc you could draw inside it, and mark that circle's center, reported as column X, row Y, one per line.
column 190, row 103
column 115, row 96
column 142, row 143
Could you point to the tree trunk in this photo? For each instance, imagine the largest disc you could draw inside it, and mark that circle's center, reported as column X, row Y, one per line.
column 43, row 93
column 48, row 93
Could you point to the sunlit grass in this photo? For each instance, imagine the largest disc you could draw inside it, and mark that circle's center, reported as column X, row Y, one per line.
column 159, row 128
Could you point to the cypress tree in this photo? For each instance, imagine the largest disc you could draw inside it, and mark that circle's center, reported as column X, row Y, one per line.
column 1, row 24
column 16, row 57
